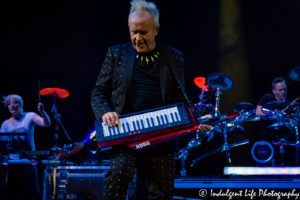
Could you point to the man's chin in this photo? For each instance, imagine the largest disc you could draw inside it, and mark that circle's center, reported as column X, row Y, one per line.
column 140, row 49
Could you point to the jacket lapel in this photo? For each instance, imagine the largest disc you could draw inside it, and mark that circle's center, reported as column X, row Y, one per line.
column 173, row 66
column 129, row 64
column 163, row 71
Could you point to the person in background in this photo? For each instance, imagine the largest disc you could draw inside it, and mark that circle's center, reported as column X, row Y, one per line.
column 21, row 122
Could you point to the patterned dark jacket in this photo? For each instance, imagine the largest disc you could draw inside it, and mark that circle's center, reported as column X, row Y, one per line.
column 114, row 80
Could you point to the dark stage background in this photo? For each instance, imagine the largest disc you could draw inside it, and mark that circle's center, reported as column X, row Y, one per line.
column 63, row 44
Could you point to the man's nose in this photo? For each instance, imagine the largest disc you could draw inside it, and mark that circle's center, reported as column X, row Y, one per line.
column 138, row 37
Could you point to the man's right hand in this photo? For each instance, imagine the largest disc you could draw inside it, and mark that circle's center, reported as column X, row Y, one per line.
column 110, row 118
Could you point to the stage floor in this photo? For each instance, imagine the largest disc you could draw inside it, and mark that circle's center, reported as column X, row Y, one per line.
column 238, row 187
column 237, row 182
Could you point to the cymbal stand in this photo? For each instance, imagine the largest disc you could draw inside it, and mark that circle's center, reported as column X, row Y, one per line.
column 281, row 117
column 297, row 143
column 184, row 153
column 55, row 159
column 200, row 104
column 218, row 92
column 57, row 117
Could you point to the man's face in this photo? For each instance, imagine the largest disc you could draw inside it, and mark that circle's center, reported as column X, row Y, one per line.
column 280, row 91
column 142, row 31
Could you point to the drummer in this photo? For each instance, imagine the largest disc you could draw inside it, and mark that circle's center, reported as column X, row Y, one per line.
column 22, row 122
column 279, row 94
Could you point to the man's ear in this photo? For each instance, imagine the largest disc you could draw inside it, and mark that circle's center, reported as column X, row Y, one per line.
column 157, row 30
column 273, row 91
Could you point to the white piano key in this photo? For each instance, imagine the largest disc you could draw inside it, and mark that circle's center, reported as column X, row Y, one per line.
column 173, row 113
column 105, row 130
column 116, row 129
column 121, row 121
column 143, row 118
column 149, row 116
column 161, row 117
column 155, row 115
column 111, row 131
column 166, row 117
column 169, row 115
column 178, row 115
column 129, row 119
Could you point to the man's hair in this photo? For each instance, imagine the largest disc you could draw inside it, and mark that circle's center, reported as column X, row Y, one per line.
column 10, row 97
column 277, row 80
column 142, row 5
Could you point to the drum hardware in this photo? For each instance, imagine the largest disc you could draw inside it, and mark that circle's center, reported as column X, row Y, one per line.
column 220, row 82
column 201, row 106
column 224, row 127
column 56, row 93
column 282, row 142
column 262, row 152
column 281, row 128
column 294, row 74
column 184, row 153
column 225, row 147
column 54, row 161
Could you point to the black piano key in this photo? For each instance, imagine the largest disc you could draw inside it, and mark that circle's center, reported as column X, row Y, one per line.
column 128, row 127
column 148, row 122
column 137, row 125
column 166, row 117
column 158, row 121
column 152, row 121
column 142, row 124
column 162, row 120
column 134, row 126
column 111, row 131
column 176, row 115
column 173, row 119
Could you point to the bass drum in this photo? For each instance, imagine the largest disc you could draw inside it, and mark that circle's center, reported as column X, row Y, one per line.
column 262, row 152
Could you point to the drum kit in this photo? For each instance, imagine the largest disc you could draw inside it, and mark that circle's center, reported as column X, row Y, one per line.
column 286, row 126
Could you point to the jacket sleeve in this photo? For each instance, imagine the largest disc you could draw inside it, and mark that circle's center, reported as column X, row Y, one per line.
column 184, row 95
column 101, row 93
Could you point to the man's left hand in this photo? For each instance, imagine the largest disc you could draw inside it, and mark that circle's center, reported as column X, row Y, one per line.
column 203, row 127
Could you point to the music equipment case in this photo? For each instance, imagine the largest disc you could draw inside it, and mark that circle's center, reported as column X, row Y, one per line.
column 75, row 182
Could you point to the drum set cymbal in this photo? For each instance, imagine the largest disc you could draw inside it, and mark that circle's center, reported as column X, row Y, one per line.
column 219, row 81
column 273, row 106
column 55, row 92
column 200, row 82
column 243, row 107
column 294, row 74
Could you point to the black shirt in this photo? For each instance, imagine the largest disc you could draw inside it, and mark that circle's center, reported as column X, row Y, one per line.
column 144, row 92
column 267, row 98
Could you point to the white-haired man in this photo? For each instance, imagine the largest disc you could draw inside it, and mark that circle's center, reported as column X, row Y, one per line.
column 136, row 76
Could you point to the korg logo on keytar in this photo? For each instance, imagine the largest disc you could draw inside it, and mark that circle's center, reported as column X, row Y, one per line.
column 144, row 144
